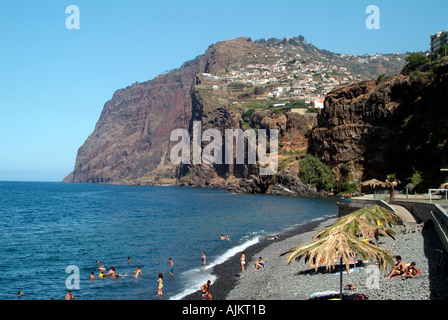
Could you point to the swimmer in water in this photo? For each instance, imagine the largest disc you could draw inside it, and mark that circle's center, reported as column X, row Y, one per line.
column 101, row 268
column 111, row 272
column 69, row 296
column 137, row 272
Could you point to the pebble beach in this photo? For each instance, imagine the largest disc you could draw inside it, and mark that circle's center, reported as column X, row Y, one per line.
column 297, row 281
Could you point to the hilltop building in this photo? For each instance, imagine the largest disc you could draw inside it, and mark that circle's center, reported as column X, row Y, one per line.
column 438, row 40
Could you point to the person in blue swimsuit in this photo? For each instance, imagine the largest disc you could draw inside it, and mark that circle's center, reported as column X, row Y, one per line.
column 137, row 272
column 259, row 264
column 171, row 267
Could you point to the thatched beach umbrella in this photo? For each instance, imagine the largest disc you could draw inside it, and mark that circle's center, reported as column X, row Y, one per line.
column 444, row 185
column 374, row 183
column 355, row 226
column 338, row 244
column 379, row 213
column 340, row 240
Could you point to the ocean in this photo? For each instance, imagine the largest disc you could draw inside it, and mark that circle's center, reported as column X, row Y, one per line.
column 52, row 234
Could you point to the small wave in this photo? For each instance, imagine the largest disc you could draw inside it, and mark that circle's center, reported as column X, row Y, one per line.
column 196, row 277
column 232, row 251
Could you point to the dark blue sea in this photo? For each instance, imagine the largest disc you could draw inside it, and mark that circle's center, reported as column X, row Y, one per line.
column 46, row 228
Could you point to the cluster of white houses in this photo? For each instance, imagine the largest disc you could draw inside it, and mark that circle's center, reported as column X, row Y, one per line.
column 289, row 80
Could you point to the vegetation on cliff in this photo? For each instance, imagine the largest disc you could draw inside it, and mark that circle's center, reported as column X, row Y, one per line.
column 264, row 84
column 392, row 124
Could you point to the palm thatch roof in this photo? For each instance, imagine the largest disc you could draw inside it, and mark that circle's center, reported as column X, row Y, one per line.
column 338, row 244
column 373, row 183
column 378, row 213
column 341, row 239
column 444, row 185
column 355, row 226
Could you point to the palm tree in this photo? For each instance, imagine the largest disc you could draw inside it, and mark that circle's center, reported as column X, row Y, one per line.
column 392, row 182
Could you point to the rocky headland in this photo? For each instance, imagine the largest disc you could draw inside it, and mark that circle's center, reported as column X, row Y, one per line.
column 372, row 127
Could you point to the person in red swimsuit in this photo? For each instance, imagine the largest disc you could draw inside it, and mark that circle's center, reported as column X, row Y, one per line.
column 205, row 290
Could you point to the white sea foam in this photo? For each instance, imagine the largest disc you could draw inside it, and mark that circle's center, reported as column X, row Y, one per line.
column 197, row 277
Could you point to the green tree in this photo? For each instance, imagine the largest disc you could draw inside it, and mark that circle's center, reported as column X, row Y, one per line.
column 416, row 60
column 315, row 173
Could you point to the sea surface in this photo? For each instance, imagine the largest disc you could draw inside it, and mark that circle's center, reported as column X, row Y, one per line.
column 52, row 234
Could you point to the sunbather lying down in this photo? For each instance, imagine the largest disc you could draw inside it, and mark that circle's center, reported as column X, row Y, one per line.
column 412, row 271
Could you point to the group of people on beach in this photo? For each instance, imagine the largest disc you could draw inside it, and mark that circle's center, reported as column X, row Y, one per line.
column 404, row 270
column 258, row 264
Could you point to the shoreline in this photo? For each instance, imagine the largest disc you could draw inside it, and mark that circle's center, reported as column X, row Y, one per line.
column 228, row 273
column 297, row 281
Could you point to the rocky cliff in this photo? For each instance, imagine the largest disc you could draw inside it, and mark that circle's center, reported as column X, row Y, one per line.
column 225, row 88
column 389, row 125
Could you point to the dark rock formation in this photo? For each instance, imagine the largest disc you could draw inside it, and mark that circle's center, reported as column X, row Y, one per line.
column 380, row 127
column 130, row 143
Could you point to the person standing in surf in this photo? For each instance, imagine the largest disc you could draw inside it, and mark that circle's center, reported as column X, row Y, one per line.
column 160, row 287
column 203, row 260
column 171, row 267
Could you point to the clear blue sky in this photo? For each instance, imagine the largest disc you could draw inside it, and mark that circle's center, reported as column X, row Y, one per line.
column 55, row 81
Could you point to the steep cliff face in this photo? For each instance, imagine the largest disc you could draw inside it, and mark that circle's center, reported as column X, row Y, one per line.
column 129, row 140
column 225, row 88
column 398, row 124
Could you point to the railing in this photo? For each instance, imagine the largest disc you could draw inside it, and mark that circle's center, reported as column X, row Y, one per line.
column 438, row 195
column 431, row 197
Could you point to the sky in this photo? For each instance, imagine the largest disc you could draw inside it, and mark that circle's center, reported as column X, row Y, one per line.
column 55, row 79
